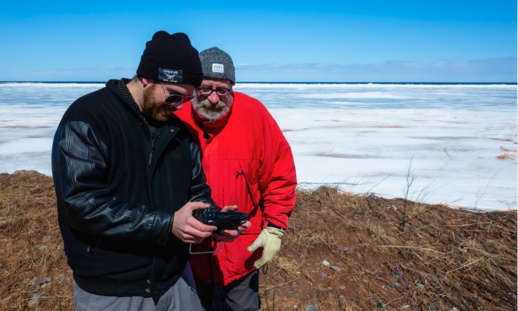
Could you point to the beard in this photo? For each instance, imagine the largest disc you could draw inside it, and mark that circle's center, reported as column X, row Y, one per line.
column 153, row 113
column 210, row 111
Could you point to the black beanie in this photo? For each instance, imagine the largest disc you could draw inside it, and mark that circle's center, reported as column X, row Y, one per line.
column 171, row 58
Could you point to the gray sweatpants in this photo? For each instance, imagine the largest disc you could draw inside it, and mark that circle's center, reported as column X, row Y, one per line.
column 181, row 296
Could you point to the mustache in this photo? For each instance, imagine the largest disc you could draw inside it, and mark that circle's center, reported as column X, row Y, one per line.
column 208, row 106
column 211, row 111
column 170, row 107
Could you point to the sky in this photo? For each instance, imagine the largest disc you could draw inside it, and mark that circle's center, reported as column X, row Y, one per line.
column 269, row 41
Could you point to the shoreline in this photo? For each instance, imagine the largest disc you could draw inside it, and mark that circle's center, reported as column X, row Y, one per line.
column 340, row 187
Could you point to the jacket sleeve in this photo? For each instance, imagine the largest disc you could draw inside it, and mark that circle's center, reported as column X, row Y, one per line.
column 79, row 167
column 278, row 178
column 200, row 191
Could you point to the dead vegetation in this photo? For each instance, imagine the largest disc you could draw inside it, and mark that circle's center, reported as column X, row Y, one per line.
column 342, row 252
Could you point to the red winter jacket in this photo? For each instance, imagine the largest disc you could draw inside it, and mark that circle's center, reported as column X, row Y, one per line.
column 248, row 162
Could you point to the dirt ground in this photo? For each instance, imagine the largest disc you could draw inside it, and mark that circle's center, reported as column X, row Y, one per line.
column 342, row 252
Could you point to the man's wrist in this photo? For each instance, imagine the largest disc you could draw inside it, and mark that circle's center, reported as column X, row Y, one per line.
column 273, row 226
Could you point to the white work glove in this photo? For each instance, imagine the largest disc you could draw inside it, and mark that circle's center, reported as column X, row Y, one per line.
column 270, row 240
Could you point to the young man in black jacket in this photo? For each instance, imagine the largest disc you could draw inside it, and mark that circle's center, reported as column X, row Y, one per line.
column 128, row 177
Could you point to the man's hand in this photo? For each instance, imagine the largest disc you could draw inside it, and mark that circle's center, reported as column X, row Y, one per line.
column 270, row 240
column 229, row 235
column 189, row 229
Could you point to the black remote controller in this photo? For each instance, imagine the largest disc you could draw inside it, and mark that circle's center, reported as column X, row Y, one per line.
column 223, row 220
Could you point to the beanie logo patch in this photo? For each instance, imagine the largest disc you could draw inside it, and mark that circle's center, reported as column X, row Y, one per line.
column 170, row 75
column 218, row 68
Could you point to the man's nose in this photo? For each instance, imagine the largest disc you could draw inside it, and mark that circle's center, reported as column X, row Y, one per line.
column 213, row 98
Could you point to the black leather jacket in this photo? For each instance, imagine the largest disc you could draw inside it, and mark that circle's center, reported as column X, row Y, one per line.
column 117, row 191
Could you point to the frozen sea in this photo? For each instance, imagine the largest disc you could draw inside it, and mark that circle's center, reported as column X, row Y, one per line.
column 451, row 144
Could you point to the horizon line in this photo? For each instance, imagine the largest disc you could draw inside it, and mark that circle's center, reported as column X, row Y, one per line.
column 274, row 82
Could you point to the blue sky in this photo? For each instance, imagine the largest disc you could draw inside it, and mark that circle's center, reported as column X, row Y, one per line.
column 270, row 41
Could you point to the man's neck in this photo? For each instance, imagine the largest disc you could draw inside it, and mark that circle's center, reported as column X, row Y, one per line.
column 136, row 90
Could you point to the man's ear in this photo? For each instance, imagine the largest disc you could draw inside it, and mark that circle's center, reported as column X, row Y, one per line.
column 146, row 81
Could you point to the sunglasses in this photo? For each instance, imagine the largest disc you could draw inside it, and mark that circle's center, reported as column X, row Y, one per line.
column 175, row 98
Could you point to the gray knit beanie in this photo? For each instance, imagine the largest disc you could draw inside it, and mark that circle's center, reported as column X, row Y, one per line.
column 216, row 64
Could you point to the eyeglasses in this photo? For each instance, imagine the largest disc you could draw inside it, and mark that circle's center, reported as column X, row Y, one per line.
column 174, row 98
column 206, row 91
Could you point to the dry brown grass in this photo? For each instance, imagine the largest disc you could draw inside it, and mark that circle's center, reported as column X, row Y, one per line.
column 33, row 267
column 382, row 254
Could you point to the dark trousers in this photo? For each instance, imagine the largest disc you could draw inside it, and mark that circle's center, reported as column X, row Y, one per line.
column 240, row 295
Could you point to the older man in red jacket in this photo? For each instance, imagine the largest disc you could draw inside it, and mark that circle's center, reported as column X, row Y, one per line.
column 249, row 164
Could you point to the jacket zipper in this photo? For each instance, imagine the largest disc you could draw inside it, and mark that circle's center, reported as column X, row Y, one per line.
column 151, row 153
